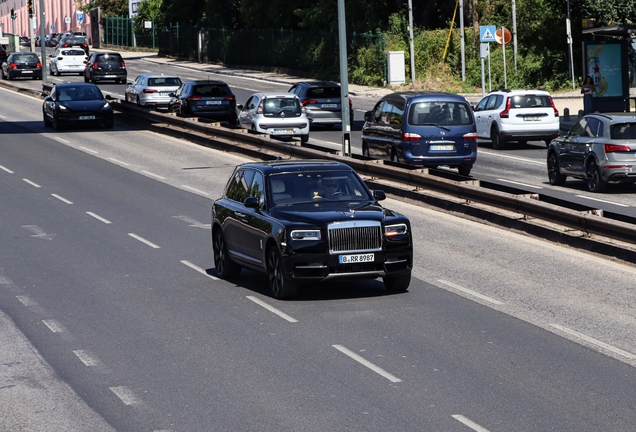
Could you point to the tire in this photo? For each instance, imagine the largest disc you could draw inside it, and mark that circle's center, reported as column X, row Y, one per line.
column 46, row 120
column 594, row 181
column 137, row 101
column 279, row 284
column 9, row 77
column 365, row 150
column 522, row 142
column 464, row 169
column 554, row 173
column 2, row 75
column 497, row 143
column 56, row 123
column 398, row 283
column 225, row 268
column 394, row 156
column 304, row 139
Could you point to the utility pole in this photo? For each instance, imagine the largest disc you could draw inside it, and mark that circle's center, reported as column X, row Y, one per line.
column 461, row 36
column 344, row 80
column 514, row 32
column 30, row 25
column 568, row 31
column 411, row 47
column 42, row 44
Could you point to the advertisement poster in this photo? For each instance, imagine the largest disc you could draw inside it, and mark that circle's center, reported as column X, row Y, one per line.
column 604, row 66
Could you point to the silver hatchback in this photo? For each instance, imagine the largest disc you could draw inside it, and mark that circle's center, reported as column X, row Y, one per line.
column 600, row 148
column 276, row 114
column 152, row 90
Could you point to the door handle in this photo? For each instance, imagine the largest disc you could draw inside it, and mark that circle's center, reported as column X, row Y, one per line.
column 240, row 215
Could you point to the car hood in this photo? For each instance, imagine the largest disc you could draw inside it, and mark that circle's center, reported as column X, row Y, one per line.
column 324, row 213
column 88, row 105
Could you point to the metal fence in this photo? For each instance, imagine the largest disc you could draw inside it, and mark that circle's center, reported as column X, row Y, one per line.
column 310, row 53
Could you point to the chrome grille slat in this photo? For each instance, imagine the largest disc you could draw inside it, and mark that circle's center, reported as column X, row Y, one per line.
column 355, row 237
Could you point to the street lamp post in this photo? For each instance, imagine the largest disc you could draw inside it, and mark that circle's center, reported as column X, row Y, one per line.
column 568, row 31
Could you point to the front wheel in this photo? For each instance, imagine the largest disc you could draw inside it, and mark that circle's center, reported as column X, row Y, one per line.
column 496, row 140
column 398, row 283
column 279, row 284
column 554, row 172
column 46, row 120
column 225, row 268
column 594, row 181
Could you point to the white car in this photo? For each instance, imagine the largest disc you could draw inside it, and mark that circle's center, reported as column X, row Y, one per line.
column 276, row 114
column 68, row 60
column 517, row 115
column 152, row 89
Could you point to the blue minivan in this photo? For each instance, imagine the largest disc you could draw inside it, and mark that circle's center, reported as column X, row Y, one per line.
column 422, row 128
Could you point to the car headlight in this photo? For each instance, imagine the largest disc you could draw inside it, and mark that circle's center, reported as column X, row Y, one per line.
column 393, row 230
column 106, row 105
column 62, row 107
column 311, row 234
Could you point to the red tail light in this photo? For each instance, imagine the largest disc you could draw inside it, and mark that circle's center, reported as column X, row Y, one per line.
column 95, row 66
column 505, row 113
column 13, row 66
column 471, row 136
column 150, row 91
column 123, row 64
column 60, row 58
column 350, row 102
column 309, row 101
column 193, row 98
column 407, row 136
column 38, row 65
column 611, row 148
column 232, row 97
column 556, row 111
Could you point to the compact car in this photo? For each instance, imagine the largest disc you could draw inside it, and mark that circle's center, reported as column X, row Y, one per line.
column 308, row 221
column 517, row 115
column 599, row 149
column 74, row 42
column 76, row 104
column 322, row 102
column 21, row 65
column 276, row 114
column 422, row 128
column 67, row 60
column 152, row 90
column 105, row 66
column 211, row 99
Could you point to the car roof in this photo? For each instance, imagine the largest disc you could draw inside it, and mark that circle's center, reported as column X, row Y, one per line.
column 426, row 95
column 276, row 95
column 516, row 92
column 204, row 82
column 155, row 75
column 320, row 83
column 77, row 84
column 280, row 166
column 617, row 117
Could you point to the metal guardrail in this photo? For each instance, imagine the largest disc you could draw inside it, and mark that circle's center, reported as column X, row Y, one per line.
column 524, row 202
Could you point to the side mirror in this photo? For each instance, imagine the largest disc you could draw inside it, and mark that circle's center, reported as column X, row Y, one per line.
column 251, row 202
column 379, row 195
column 129, row 83
column 368, row 116
column 51, row 56
column 239, row 107
column 108, row 96
column 85, row 62
column 172, row 94
column 48, row 99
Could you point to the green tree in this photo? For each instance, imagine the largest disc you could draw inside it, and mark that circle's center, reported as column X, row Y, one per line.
column 108, row 7
column 149, row 10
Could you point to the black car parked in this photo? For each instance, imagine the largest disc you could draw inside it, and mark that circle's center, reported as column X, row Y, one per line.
column 76, row 104
column 210, row 99
column 21, row 65
column 308, row 221
column 105, row 66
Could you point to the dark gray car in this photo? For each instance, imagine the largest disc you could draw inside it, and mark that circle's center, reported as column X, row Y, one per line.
column 600, row 148
column 21, row 65
column 321, row 100
column 105, row 66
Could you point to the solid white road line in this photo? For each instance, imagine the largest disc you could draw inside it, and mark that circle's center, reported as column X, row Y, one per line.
column 32, row 183
column 89, row 150
column 62, row 199
column 6, row 169
column 532, row 161
column 125, row 395
column 62, row 140
column 195, row 190
column 520, row 184
column 471, row 424
column 26, row 301
column 367, row 363
column 153, row 175
column 595, row 341
column 603, row 201
column 106, row 221
column 143, row 240
column 117, row 161
column 199, row 269
column 53, row 325
column 471, row 292
column 85, row 357
column 272, row 309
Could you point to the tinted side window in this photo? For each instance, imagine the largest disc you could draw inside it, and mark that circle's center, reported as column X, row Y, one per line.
column 482, row 104
column 592, row 128
column 396, row 116
column 257, row 189
column 494, row 102
column 237, row 189
column 385, row 115
column 579, row 128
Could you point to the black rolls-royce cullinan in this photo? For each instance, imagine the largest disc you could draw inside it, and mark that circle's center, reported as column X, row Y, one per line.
column 304, row 221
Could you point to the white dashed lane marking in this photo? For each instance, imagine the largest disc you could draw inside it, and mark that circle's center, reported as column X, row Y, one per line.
column 86, row 358
column 272, row 309
column 143, row 240
column 99, row 218
column 199, row 269
column 54, row 326
column 594, row 341
column 471, row 424
column 62, row 199
column 32, row 183
column 6, row 169
column 471, row 292
column 367, row 363
column 125, row 395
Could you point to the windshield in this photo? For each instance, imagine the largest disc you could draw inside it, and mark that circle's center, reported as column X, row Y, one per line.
column 319, row 186
column 79, row 93
column 440, row 113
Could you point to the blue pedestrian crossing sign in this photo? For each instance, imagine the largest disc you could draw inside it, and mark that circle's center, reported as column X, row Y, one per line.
column 487, row 33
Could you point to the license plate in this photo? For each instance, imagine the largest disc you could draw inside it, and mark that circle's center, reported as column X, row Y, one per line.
column 164, row 93
column 442, row 147
column 110, row 76
column 329, row 106
column 359, row 258
column 87, row 117
column 213, row 102
column 282, row 131
column 27, row 71
column 532, row 118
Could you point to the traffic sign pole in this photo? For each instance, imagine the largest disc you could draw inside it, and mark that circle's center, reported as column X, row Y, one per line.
column 42, row 44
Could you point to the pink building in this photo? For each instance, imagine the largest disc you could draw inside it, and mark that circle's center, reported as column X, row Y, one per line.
column 60, row 16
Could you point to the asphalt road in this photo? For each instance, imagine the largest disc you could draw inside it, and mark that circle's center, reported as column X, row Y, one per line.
column 106, row 268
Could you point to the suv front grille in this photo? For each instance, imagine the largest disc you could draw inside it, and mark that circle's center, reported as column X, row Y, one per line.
column 354, row 236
